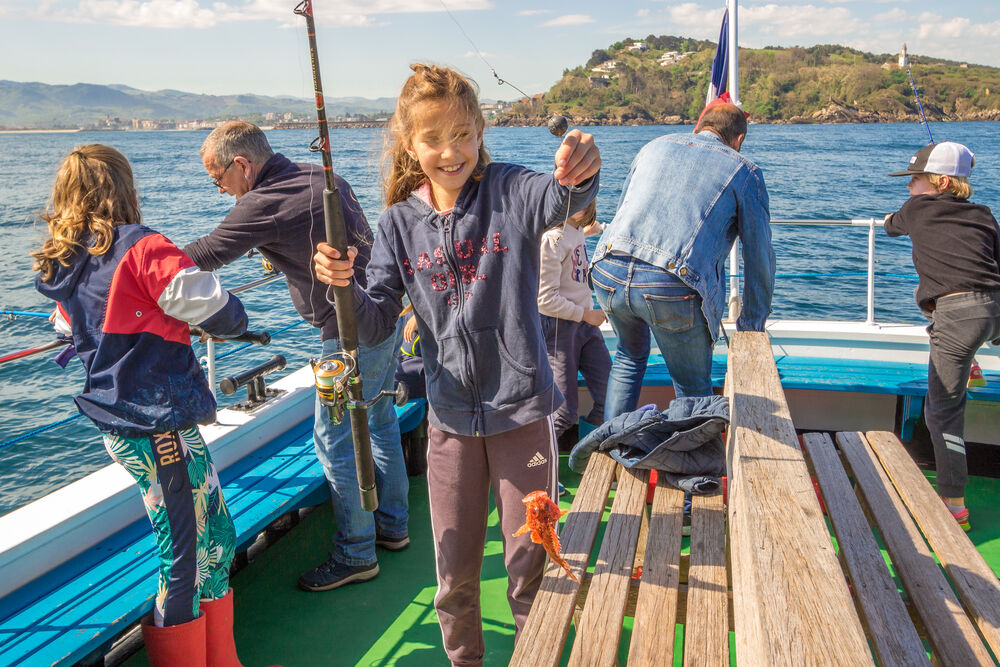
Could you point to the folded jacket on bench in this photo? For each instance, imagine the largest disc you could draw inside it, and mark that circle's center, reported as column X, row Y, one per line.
column 684, row 441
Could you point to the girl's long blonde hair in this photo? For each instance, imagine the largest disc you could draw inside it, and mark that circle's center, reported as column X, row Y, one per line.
column 428, row 83
column 94, row 192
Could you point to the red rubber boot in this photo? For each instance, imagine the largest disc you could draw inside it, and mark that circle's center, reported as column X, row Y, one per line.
column 221, row 648
column 175, row 645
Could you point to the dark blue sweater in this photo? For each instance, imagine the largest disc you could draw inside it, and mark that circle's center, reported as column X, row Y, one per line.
column 472, row 277
column 282, row 216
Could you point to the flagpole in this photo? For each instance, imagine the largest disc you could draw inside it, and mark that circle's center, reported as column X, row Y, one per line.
column 733, row 55
column 734, row 71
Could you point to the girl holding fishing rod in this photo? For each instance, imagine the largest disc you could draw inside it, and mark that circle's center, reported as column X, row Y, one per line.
column 461, row 236
column 127, row 295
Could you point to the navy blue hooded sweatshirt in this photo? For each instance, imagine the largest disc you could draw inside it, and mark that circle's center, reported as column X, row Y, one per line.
column 282, row 216
column 472, row 277
column 129, row 310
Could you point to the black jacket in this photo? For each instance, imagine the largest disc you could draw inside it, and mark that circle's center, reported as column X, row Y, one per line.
column 956, row 245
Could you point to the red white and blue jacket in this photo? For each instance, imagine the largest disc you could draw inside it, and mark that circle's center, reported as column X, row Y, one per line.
column 128, row 311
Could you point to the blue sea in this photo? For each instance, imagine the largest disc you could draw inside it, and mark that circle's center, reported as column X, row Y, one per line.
column 812, row 171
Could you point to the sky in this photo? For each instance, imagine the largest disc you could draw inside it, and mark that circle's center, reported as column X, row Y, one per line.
column 365, row 46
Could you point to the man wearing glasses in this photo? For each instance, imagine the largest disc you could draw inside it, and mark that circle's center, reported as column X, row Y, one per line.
column 279, row 211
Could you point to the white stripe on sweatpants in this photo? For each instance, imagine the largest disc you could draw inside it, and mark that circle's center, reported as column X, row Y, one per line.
column 954, row 443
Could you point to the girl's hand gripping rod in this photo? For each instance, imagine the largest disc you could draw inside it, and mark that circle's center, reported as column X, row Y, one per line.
column 338, row 381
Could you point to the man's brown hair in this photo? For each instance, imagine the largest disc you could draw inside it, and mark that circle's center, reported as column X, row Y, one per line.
column 726, row 119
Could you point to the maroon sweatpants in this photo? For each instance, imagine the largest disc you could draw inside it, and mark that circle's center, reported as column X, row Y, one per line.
column 460, row 472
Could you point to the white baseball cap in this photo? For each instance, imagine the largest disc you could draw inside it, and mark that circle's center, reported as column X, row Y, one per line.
column 947, row 158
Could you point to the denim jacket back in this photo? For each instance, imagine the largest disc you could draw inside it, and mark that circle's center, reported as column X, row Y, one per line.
column 685, row 200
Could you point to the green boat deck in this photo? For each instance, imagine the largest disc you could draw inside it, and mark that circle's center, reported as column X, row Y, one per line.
column 390, row 620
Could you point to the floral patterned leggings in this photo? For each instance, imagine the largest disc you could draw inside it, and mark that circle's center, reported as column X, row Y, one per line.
column 194, row 533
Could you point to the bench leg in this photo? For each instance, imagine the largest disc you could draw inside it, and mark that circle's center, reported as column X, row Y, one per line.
column 913, row 408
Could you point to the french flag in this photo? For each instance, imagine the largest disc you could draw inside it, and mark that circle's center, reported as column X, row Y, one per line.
column 720, row 64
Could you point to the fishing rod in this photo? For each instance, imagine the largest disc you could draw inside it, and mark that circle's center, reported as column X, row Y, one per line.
column 338, row 379
column 258, row 337
column 913, row 85
column 31, row 351
column 14, row 314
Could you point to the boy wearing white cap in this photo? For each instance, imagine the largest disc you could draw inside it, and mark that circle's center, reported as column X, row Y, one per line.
column 956, row 252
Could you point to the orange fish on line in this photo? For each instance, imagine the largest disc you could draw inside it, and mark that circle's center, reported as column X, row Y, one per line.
column 542, row 515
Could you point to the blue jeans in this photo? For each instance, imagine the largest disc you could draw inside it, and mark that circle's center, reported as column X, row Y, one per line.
column 638, row 298
column 354, row 542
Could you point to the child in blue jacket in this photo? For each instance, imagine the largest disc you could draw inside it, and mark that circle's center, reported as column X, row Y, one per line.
column 461, row 237
column 126, row 294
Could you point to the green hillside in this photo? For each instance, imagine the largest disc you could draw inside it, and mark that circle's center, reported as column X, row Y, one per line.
column 825, row 83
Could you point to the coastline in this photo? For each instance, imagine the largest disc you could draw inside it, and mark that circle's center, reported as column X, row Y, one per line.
column 819, row 118
column 38, row 131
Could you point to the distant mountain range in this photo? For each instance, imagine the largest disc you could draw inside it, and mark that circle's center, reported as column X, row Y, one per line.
column 38, row 105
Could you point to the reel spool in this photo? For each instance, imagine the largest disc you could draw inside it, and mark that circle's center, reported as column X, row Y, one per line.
column 331, row 377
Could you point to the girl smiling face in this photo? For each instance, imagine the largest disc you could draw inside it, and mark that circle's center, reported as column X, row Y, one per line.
column 446, row 145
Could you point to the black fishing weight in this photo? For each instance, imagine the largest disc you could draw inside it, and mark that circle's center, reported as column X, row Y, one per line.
column 558, row 125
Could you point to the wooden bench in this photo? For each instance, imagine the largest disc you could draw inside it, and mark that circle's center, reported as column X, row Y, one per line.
column 786, row 590
column 85, row 604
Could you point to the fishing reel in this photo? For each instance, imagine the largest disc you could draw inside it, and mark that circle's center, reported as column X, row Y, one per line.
column 334, row 377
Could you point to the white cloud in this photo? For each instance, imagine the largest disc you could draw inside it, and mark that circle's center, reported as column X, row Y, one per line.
column 191, row 14
column 567, row 20
column 478, row 54
column 642, row 13
column 894, row 15
column 936, row 27
column 533, row 12
column 149, row 14
column 956, row 37
column 801, row 21
column 697, row 20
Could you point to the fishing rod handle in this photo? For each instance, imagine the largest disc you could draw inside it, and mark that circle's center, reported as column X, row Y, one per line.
column 363, row 458
column 258, row 337
column 343, row 300
column 336, row 237
column 230, row 385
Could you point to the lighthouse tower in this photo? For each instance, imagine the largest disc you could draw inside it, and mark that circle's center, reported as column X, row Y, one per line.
column 904, row 61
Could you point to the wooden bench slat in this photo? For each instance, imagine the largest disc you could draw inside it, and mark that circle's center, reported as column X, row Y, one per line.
column 789, row 593
column 544, row 632
column 885, row 616
column 952, row 635
column 976, row 582
column 706, row 635
column 599, row 630
column 656, row 608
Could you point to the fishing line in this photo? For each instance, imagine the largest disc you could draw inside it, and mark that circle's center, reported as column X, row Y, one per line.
column 480, row 53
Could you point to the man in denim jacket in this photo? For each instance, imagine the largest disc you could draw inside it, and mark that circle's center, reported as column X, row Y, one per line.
column 660, row 264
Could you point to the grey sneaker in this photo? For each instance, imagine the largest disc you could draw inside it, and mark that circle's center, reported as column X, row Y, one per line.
column 392, row 543
column 332, row 574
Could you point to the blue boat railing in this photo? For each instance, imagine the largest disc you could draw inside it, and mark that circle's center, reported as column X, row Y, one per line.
column 870, row 223
column 210, row 357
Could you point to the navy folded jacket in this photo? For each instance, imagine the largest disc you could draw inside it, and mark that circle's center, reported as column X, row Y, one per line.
column 685, row 441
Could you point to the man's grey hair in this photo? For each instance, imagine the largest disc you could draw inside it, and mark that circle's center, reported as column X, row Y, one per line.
column 236, row 138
